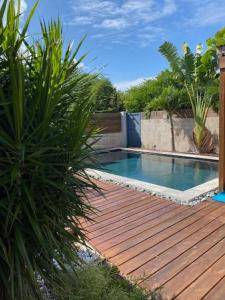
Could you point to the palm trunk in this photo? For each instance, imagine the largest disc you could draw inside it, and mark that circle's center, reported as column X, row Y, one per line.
column 172, row 131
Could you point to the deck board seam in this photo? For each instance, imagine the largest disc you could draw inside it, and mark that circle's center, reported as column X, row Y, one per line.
column 223, row 225
column 202, row 272
column 154, row 227
column 212, row 288
column 193, row 263
column 133, row 213
column 152, row 212
column 121, row 212
column 163, row 241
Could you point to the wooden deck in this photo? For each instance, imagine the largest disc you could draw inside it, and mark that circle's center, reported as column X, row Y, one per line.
column 163, row 244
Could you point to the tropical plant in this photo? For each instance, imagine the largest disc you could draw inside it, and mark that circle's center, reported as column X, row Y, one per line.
column 135, row 98
column 104, row 96
column 201, row 102
column 211, row 57
column 200, row 80
column 138, row 97
column 217, row 41
column 44, row 131
column 170, row 100
column 101, row 282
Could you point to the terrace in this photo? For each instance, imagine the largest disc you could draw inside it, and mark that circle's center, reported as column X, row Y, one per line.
column 178, row 249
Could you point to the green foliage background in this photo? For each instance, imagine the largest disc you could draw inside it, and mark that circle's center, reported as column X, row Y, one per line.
column 104, row 96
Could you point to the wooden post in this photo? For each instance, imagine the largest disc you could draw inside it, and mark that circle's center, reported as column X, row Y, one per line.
column 222, row 123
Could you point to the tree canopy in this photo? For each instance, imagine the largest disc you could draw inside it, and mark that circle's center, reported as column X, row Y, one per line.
column 104, row 95
column 139, row 97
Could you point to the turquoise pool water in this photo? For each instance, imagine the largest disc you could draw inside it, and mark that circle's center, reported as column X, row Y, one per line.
column 173, row 172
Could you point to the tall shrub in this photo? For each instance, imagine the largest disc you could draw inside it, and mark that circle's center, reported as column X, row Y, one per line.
column 104, row 96
column 44, row 130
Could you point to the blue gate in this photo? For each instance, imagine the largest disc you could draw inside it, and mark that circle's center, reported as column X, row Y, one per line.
column 134, row 129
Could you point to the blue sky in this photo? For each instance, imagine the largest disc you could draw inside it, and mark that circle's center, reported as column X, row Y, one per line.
column 124, row 35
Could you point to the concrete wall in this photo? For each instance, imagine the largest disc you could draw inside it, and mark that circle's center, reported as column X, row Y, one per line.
column 109, row 140
column 156, row 133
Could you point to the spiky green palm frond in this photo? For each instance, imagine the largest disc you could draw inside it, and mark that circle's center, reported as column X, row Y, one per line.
column 169, row 51
column 188, row 63
column 201, row 101
column 197, row 72
column 45, row 130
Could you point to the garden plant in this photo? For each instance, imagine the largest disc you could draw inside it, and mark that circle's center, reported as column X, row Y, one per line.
column 200, row 80
column 45, row 117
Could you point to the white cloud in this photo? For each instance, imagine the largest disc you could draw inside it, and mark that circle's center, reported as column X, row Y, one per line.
column 82, row 20
column 114, row 18
column 114, row 24
column 109, row 14
column 150, row 34
column 207, row 13
column 97, row 36
column 125, row 85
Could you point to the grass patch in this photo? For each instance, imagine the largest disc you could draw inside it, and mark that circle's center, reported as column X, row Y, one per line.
column 100, row 282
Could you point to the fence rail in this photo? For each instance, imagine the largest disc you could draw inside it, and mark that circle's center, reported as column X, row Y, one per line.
column 108, row 122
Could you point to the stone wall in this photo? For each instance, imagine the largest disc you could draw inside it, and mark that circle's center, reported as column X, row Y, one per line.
column 156, row 133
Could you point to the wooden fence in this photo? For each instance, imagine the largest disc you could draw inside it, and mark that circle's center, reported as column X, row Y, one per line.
column 108, row 122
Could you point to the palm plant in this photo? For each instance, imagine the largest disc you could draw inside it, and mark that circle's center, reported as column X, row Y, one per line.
column 171, row 101
column 200, row 103
column 198, row 76
column 45, row 117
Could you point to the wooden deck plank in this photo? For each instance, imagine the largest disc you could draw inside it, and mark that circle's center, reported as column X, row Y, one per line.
column 111, row 196
column 103, row 185
column 93, row 194
column 123, row 215
column 180, row 262
column 202, row 238
column 128, row 197
column 150, row 209
column 106, row 215
column 146, row 230
column 134, row 199
column 106, row 193
column 131, row 222
column 206, row 281
column 175, row 260
column 191, row 273
column 178, row 248
column 144, row 252
column 217, row 292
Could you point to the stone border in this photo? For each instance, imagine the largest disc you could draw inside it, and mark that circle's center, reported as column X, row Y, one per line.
column 175, row 154
column 188, row 197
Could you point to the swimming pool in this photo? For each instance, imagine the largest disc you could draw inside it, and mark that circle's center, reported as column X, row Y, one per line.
column 168, row 171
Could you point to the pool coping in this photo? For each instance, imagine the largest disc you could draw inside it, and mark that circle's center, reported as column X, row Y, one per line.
column 176, row 154
column 188, row 197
